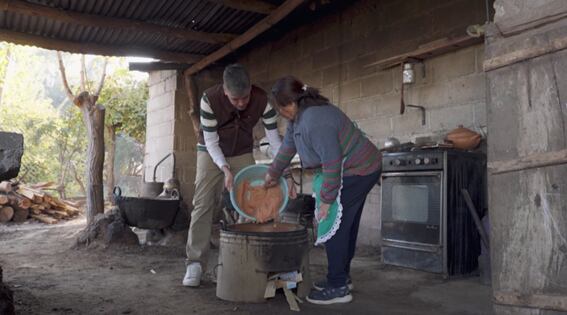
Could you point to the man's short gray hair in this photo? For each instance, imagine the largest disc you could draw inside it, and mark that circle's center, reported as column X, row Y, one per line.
column 236, row 80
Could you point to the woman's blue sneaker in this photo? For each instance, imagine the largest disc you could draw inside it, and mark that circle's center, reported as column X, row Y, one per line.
column 330, row 296
column 320, row 285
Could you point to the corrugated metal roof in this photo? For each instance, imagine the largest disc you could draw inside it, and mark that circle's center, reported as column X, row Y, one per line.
column 196, row 15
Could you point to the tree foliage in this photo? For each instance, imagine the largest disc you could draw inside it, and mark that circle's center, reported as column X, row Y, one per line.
column 33, row 102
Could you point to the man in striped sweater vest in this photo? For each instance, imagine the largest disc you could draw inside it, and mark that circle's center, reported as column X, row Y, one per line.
column 228, row 113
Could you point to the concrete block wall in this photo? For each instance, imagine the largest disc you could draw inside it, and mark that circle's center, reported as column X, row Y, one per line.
column 334, row 54
column 160, row 124
column 169, row 127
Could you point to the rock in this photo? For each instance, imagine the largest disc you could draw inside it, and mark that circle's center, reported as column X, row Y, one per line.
column 6, row 298
column 108, row 229
column 11, row 151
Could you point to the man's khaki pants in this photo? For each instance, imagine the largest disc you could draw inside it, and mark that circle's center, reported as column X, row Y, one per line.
column 209, row 184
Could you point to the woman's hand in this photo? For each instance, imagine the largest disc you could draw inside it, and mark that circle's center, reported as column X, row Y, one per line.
column 228, row 178
column 323, row 211
column 269, row 181
column 292, row 190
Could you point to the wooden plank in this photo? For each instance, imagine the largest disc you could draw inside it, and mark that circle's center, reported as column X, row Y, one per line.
column 535, row 160
column 45, row 219
column 540, row 301
column 95, row 49
column 525, row 46
column 535, row 16
column 282, row 11
column 125, row 25
column 429, row 50
column 248, row 5
column 156, row 66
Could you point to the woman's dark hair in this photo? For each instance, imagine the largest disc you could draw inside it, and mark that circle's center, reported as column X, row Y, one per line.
column 289, row 89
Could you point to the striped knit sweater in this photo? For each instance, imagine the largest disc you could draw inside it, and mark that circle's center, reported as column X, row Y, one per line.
column 324, row 136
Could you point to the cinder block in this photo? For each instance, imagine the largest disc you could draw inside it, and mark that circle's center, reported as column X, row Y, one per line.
column 431, row 96
column 408, row 124
column 332, row 35
column 326, row 58
column 448, row 118
column 302, row 65
column 359, row 108
column 313, row 79
column 171, row 83
column 359, row 67
column 388, row 104
column 379, row 83
column 331, row 92
column 453, row 65
column 349, row 90
column 376, row 128
column 312, row 44
column 332, row 75
column 351, row 50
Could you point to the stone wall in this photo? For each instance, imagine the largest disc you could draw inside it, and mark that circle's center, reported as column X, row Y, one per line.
column 334, row 54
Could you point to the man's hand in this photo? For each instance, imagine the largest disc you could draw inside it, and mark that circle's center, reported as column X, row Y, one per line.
column 228, row 178
column 323, row 211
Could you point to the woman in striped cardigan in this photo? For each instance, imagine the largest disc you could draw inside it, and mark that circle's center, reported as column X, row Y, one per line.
column 347, row 166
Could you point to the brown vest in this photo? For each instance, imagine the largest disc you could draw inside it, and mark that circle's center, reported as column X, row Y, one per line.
column 235, row 127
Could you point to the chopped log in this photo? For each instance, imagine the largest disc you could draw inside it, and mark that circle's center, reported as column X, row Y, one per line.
column 20, row 215
column 21, row 201
column 6, row 214
column 46, row 205
column 57, row 214
column 4, row 199
column 45, row 219
column 42, row 185
column 5, row 186
column 35, row 211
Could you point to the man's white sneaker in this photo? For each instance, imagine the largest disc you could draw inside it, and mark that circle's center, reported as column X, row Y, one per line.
column 193, row 275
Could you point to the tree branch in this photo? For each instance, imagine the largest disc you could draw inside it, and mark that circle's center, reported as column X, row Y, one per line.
column 70, row 94
column 83, row 73
column 101, row 84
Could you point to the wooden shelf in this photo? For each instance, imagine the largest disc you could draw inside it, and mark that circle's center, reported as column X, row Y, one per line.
column 429, row 50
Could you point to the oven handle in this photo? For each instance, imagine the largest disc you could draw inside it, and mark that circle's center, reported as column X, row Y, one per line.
column 406, row 174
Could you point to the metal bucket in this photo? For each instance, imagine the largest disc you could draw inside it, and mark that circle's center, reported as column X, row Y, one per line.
column 249, row 252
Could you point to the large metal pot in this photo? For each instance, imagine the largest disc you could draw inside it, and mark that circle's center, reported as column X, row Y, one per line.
column 249, row 252
column 146, row 213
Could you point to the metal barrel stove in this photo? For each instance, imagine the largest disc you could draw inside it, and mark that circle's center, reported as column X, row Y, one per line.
column 250, row 252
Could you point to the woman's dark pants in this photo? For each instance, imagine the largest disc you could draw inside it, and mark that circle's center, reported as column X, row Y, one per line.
column 340, row 248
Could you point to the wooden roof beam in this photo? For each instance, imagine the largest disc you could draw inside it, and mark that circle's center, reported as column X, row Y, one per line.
column 257, row 6
column 277, row 15
column 92, row 20
column 95, row 49
column 156, row 66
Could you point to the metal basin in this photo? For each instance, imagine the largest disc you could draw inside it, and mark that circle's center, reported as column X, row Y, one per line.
column 146, row 213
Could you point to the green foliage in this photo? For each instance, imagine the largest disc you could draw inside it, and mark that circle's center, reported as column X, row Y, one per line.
column 34, row 103
column 125, row 98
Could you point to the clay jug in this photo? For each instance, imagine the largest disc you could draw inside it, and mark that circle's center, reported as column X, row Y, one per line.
column 463, row 138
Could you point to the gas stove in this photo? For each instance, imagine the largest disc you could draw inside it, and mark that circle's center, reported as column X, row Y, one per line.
column 413, row 160
column 424, row 220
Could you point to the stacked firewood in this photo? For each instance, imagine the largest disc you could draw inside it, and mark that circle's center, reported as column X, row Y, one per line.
column 19, row 202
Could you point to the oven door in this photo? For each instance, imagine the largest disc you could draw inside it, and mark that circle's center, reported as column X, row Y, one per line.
column 412, row 209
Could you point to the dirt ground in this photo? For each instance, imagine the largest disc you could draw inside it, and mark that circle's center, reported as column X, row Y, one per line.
column 49, row 276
